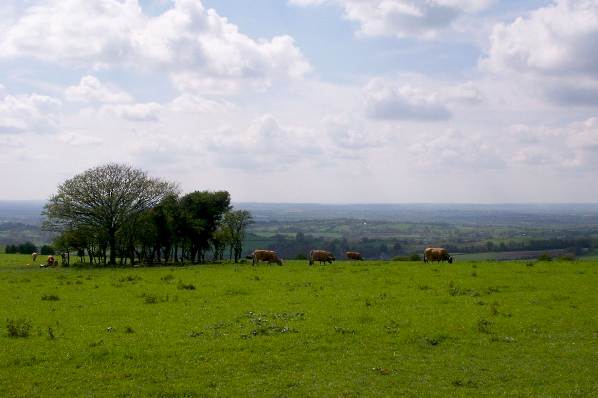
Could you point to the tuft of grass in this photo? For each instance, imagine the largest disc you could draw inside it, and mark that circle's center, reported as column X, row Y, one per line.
column 484, row 326
column 185, row 286
column 50, row 297
column 18, row 327
column 168, row 278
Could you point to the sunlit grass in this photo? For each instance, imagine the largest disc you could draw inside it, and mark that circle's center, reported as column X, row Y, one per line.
column 347, row 329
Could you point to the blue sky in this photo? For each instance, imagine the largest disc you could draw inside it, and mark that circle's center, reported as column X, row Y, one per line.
column 305, row 100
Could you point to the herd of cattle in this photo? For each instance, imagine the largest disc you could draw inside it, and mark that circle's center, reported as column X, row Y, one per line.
column 437, row 254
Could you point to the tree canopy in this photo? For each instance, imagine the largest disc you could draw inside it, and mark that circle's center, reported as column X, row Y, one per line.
column 105, row 198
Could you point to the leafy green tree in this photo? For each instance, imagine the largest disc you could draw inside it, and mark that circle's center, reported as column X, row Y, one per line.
column 236, row 223
column 105, row 198
column 202, row 212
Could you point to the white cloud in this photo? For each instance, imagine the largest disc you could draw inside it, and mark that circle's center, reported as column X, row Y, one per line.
column 31, row 113
column 142, row 112
column 454, row 149
column 76, row 139
column 402, row 17
column 188, row 103
column 265, row 145
column 188, row 42
column 90, row 89
column 348, row 132
column 390, row 101
column 554, row 48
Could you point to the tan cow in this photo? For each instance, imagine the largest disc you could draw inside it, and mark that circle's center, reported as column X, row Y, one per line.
column 354, row 256
column 266, row 255
column 437, row 254
column 320, row 255
column 51, row 261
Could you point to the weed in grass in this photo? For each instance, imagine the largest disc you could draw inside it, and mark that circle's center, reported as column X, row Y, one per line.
column 480, row 302
column 130, row 278
column 382, row 371
column 195, row 333
column 18, row 327
column 150, row 299
column 129, row 329
column 50, row 297
column 392, row 327
column 94, row 344
column 494, row 308
column 462, row 383
column 424, row 287
column 167, row 278
column 50, row 333
column 270, row 330
column 342, row 330
column 474, row 274
column 434, row 340
column 185, row 286
column 502, row 339
column 484, row 326
column 236, row 292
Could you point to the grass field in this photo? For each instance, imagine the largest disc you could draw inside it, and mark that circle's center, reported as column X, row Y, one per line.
column 375, row 329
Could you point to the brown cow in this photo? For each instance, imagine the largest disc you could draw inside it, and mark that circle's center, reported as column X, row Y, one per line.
column 266, row 255
column 437, row 254
column 51, row 261
column 354, row 256
column 320, row 255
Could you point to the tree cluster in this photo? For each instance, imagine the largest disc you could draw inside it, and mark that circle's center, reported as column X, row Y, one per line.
column 22, row 248
column 115, row 213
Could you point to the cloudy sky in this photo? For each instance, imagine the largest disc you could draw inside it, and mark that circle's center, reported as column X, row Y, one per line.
column 306, row 100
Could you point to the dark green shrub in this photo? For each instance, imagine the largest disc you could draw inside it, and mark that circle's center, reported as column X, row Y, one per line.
column 545, row 257
column 18, row 327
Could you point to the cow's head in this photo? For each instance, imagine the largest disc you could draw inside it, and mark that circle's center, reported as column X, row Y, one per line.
column 279, row 261
column 450, row 259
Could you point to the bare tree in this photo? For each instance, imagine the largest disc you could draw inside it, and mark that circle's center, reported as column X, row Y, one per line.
column 105, row 198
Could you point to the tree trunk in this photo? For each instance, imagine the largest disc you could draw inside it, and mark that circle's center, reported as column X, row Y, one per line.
column 112, row 245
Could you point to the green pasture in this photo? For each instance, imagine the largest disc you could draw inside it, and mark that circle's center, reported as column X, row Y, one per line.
column 351, row 329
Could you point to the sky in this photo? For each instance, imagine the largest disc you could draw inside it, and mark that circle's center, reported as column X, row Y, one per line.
column 327, row 101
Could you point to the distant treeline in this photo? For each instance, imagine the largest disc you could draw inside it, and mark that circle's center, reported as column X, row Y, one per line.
column 28, row 248
column 300, row 246
column 575, row 245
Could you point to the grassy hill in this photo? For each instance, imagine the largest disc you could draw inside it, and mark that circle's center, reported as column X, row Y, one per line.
column 347, row 329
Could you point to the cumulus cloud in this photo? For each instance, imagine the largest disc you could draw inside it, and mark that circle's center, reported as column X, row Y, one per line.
column 90, row 89
column 455, row 150
column 264, row 145
column 347, row 132
column 31, row 113
column 142, row 112
column 574, row 146
column 555, row 46
column 189, row 42
column 402, row 18
column 388, row 100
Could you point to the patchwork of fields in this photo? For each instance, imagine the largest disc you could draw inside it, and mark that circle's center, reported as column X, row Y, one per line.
column 348, row 329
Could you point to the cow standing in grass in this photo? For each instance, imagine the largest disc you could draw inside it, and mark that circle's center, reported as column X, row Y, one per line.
column 34, row 256
column 320, row 255
column 437, row 254
column 265, row 255
column 354, row 256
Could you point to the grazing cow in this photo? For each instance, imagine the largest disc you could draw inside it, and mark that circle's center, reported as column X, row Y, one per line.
column 266, row 255
column 437, row 254
column 34, row 256
column 51, row 261
column 320, row 255
column 354, row 256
